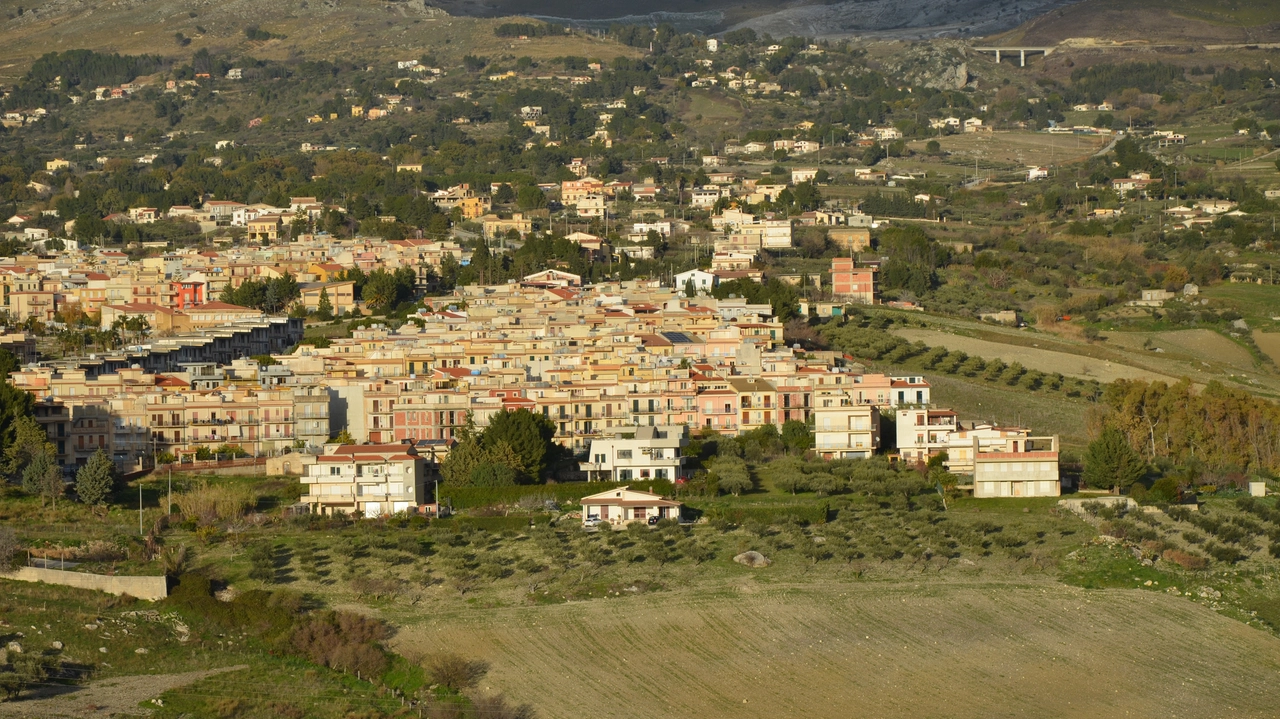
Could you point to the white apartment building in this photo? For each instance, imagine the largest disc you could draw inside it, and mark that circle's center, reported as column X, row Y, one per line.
column 844, row 428
column 1025, row 467
column 645, row 453
column 366, row 479
column 923, row 433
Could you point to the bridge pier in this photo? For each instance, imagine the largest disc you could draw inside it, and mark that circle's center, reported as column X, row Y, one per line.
column 1000, row 52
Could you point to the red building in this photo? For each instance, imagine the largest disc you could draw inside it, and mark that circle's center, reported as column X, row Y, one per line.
column 853, row 283
column 187, row 294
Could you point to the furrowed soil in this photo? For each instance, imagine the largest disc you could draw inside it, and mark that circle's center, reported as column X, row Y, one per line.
column 831, row 649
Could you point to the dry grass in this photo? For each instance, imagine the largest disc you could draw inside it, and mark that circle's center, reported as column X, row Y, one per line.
column 207, row 503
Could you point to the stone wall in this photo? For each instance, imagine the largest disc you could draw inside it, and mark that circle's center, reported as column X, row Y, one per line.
column 151, row 588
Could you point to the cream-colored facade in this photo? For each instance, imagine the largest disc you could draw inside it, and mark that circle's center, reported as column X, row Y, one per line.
column 844, row 428
column 1026, row 467
column 369, row 480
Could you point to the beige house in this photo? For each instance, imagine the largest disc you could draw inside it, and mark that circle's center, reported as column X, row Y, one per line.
column 266, row 228
column 624, row 505
column 366, row 479
column 341, row 296
column 160, row 319
column 494, row 226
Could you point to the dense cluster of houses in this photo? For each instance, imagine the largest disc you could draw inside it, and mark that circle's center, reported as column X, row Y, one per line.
column 625, row 371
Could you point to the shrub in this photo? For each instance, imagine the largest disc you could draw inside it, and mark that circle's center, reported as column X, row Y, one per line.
column 1183, row 559
column 342, row 640
column 454, row 672
column 262, row 562
column 1221, row 553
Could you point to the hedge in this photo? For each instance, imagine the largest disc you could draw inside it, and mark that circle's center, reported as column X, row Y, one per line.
column 495, row 524
column 804, row 514
column 472, row 497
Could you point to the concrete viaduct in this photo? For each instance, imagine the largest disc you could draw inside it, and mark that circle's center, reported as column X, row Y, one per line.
column 1022, row 52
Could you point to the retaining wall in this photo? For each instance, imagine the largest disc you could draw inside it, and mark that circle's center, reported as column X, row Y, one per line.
column 151, row 588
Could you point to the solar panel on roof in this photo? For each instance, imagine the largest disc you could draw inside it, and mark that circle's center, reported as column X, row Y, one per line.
column 678, row 337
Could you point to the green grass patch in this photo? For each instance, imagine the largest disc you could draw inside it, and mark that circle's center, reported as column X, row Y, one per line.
column 1112, row 567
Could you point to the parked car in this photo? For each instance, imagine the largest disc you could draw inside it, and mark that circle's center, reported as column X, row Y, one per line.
column 653, row 521
column 592, row 521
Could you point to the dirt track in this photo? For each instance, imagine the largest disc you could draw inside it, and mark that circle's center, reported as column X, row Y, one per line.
column 871, row 649
column 106, row 697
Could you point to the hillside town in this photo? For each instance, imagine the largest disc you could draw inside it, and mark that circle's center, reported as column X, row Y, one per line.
column 627, row 371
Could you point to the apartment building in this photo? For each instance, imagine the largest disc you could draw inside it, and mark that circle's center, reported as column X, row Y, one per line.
column 369, row 480
column 843, row 427
column 922, row 432
column 854, row 284
column 1022, row 467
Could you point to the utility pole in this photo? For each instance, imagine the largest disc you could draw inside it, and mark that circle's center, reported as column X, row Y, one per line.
column 139, row 507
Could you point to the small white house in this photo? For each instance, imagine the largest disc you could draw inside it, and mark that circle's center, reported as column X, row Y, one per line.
column 624, row 505
column 703, row 281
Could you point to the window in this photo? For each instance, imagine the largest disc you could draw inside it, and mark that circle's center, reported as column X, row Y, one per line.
column 624, row 454
column 624, row 475
column 335, row 471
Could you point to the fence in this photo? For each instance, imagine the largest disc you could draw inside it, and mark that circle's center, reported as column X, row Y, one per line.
column 243, row 465
column 151, row 588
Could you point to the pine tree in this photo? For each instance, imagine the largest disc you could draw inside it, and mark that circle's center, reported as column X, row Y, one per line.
column 324, row 308
column 96, row 479
column 43, row 476
column 1111, row 462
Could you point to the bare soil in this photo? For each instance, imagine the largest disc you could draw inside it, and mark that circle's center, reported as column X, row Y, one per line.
column 1269, row 342
column 828, row 649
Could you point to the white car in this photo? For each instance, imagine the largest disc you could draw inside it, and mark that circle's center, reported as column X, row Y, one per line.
column 591, row 521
